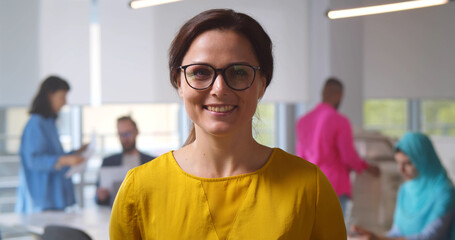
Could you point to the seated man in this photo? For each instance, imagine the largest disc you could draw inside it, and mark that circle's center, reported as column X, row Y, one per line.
column 129, row 158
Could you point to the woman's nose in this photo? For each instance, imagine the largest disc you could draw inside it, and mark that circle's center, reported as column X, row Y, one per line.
column 219, row 86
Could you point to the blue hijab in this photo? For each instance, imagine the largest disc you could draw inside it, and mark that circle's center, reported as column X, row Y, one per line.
column 427, row 197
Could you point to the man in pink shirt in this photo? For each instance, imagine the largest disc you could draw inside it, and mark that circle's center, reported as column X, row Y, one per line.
column 324, row 137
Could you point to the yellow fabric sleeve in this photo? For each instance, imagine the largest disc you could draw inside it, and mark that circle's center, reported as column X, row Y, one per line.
column 328, row 212
column 123, row 223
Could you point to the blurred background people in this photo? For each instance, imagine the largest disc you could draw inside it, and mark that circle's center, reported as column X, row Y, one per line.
column 42, row 182
column 324, row 137
column 425, row 205
column 129, row 158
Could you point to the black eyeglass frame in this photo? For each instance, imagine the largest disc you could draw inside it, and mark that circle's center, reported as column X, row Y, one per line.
column 223, row 73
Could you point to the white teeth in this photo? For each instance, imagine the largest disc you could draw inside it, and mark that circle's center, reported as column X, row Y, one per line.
column 220, row 109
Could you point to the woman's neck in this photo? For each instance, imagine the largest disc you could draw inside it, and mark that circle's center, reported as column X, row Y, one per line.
column 222, row 156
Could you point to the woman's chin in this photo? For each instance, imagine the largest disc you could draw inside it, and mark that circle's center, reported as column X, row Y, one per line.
column 220, row 129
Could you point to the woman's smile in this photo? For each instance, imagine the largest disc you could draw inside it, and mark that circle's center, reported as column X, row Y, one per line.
column 220, row 108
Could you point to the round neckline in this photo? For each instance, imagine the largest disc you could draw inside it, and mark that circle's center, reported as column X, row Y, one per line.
column 265, row 166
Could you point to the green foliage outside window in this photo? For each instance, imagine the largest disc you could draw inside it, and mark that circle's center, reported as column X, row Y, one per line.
column 264, row 124
column 388, row 116
column 438, row 117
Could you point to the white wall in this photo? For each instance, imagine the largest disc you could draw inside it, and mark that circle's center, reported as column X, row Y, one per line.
column 39, row 38
column 444, row 148
column 135, row 44
column 347, row 64
column 410, row 54
column 337, row 50
column 19, row 52
column 64, row 45
column 319, row 49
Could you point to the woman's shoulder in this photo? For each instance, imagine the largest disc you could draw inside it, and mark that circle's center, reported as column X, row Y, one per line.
column 293, row 172
column 37, row 119
column 291, row 164
column 160, row 165
column 157, row 176
column 281, row 157
column 446, row 197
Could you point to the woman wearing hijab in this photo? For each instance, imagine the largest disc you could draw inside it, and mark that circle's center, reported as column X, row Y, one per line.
column 426, row 201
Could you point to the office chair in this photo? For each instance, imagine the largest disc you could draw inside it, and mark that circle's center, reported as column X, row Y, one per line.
column 54, row 232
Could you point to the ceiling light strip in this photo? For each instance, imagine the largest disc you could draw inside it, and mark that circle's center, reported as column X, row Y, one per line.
column 148, row 3
column 393, row 7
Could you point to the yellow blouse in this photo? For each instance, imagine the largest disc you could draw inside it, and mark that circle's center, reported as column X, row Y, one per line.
column 288, row 198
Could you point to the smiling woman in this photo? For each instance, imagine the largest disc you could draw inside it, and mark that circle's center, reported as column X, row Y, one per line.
column 222, row 184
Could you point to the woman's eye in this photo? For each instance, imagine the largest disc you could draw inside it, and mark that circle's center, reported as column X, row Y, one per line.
column 201, row 73
column 238, row 72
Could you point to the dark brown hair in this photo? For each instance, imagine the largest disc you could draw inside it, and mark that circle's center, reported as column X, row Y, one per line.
column 334, row 84
column 223, row 19
column 127, row 118
column 41, row 104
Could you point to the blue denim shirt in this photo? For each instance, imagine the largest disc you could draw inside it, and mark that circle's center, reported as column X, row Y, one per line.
column 41, row 186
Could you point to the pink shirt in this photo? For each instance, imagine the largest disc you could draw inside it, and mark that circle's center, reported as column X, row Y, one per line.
column 324, row 137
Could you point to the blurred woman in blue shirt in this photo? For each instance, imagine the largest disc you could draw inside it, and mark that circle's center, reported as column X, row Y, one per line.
column 42, row 182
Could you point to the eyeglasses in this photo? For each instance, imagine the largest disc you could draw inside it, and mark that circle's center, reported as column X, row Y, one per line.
column 238, row 76
column 126, row 134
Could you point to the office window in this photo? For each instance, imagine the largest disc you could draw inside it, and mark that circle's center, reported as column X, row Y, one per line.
column 264, row 124
column 438, row 117
column 17, row 117
column 158, row 133
column 15, row 120
column 388, row 116
column 157, row 124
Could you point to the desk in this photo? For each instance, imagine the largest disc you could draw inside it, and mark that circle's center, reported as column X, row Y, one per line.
column 94, row 221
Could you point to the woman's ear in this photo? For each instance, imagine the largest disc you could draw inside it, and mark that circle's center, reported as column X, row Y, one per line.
column 262, row 88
